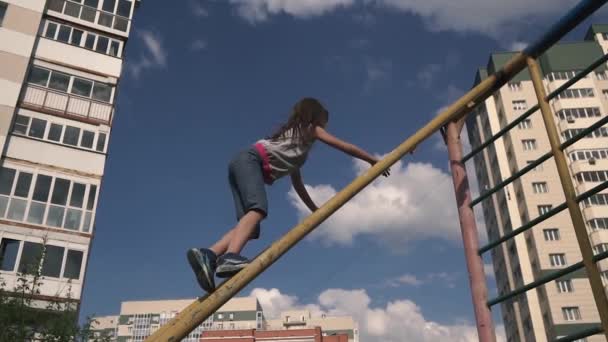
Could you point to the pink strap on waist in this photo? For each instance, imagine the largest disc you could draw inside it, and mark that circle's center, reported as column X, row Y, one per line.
column 265, row 162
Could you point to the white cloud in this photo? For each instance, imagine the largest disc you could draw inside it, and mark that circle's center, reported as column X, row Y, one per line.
column 463, row 15
column 260, row 10
column 427, row 74
column 377, row 71
column 447, row 279
column 154, row 55
column 397, row 321
column 198, row 9
column 198, row 45
column 406, row 279
column 518, row 46
column 488, row 270
column 397, row 210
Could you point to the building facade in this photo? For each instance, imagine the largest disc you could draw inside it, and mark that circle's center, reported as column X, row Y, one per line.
column 240, row 316
column 566, row 305
column 60, row 66
column 295, row 335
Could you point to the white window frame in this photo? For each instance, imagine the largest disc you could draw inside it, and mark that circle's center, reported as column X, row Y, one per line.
column 564, row 286
column 525, row 124
column 540, row 187
column 529, row 144
column 558, row 259
column 520, row 105
column 571, row 313
column 544, row 208
column 551, row 234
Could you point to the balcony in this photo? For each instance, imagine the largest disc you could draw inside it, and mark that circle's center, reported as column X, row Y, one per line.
column 89, row 15
column 58, row 103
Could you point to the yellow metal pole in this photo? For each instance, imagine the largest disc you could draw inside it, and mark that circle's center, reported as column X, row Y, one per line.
column 575, row 211
column 193, row 315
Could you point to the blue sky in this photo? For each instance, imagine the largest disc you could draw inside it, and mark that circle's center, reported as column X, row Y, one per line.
column 205, row 79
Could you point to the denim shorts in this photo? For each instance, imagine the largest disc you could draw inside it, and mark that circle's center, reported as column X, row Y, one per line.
column 246, row 178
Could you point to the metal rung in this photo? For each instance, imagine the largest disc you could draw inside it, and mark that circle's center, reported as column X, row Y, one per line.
column 542, row 218
column 540, row 160
column 581, row 334
column 525, row 115
column 544, row 280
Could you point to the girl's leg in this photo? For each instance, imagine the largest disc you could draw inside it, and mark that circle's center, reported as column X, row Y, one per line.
column 237, row 237
column 243, row 231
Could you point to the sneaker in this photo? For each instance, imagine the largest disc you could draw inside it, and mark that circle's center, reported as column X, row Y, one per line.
column 230, row 264
column 203, row 263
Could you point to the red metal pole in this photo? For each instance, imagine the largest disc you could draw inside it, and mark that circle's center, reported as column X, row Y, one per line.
column 477, row 278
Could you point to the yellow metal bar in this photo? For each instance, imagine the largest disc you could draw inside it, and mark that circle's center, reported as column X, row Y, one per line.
column 197, row 312
column 570, row 194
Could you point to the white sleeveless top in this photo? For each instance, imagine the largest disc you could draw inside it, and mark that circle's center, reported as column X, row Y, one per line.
column 282, row 156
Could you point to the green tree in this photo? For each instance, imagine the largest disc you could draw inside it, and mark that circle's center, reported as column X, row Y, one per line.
column 23, row 318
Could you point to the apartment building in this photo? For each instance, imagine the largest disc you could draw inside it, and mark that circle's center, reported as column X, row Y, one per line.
column 566, row 305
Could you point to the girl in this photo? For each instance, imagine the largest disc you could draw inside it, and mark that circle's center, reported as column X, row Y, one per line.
column 269, row 159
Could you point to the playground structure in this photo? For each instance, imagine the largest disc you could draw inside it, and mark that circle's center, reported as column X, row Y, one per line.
column 450, row 123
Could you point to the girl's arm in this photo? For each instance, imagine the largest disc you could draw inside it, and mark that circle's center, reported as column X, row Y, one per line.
column 348, row 148
column 298, row 185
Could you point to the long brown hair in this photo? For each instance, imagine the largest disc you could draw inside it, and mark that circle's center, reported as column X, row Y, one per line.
column 305, row 115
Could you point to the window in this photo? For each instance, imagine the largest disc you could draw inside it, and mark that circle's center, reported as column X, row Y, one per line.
column 598, row 223
column 90, row 41
column 55, row 132
column 82, row 87
column 576, row 93
column 3, row 6
column 37, row 128
column 59, row 81
column 589, row 154
column 529, row 144
column 605, row 93
column 600, row 248
column 596, row 200
column 64, row 33
column 39, row 76
column 571, row 313
column 21, row 124
column 557, row 259
column 601, row 75
column 551, row 234
column 525, row 124
column 70, row 84
column 562, row 75
column 51, row 30
column 543, row 209
column 578, row 113
column 76, row 38
column 73, row 264
column 564, row 286
column 592, row 176
column 515, row 86
column 8, row 254
column 601, row 132
column 31, row 256
column 55, row 202
column 87, row 139
column 102, row 44
column 102, row 92
column 540, row 187
column 101, row 142
column 71, row 136
column 520, row 105
column 47, row 259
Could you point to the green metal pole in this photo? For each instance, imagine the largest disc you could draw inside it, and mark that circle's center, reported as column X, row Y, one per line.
column 575, row 211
